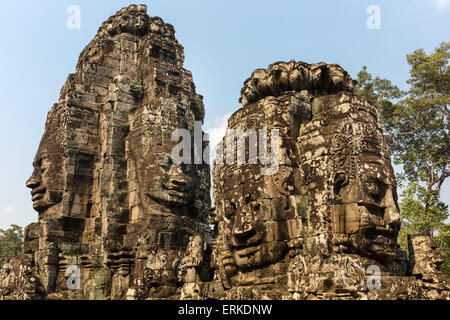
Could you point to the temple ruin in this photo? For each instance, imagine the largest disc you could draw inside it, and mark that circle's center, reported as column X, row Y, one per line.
column 118, row 218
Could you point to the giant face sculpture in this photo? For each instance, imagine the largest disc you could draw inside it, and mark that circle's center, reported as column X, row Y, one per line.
column 252, row 241
column 364, row 189
column 255, row 209
column 336, row 182
column 133, row 19
column 171, row 184
column 164, row 184
column 47, row 180
column 348, row 177
column 103, row 175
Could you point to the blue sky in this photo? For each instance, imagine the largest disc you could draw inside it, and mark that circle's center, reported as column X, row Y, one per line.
column 224, row 42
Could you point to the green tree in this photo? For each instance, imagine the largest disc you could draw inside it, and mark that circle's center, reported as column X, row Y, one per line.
column 11, row 241
column 443, row 241
column 422, row 143
column 382, row 93
column 422, row 211
column 416, row 124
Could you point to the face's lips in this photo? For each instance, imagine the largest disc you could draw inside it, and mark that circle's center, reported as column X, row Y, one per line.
column 228, row 261
column 387, row 232
column 176, row 188
column 37, row 190
column 37, row 197
column 38, row 193
column 277, row 126
column 250, row 247
column 177, row 191
column 380, row 242
column 247, row 251
column 382, row 231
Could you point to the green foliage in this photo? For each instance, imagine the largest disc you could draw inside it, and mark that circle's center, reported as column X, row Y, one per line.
column 443, row 242
column 416, row 127
column 421, row 129
column 376, row 90
column 421, row 211
column 11, row 241
column 383, row 94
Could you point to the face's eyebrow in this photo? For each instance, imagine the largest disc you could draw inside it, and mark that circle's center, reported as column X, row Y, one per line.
column 39, row 160
column 383, row 181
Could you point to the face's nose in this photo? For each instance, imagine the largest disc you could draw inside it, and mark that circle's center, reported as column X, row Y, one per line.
column 242, row 228
column 178, row 182
column 392, row 218
column 33, row 182
column 391, row 214
column 177, row 177
column 175, row 170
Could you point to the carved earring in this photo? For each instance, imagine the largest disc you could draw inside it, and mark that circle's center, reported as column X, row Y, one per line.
column 340, row 181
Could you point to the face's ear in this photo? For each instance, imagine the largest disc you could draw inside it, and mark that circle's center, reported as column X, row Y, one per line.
column 340, row 180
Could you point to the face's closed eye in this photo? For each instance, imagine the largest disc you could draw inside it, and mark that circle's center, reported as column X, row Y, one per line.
column 376, row 189
column 230, row 209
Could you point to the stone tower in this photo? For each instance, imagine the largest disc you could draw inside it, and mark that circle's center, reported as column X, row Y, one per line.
column 326, row 218
column 113, row 207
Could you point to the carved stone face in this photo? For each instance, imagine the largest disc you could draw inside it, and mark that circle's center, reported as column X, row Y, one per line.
column 132, row 20
column 47, row 180
column 172, row 184
column 253, row 240
column 364, row 188
column 255, row 209
column 368, row 209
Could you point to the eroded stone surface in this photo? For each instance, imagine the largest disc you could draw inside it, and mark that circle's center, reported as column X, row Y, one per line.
column 109, row 198
column 328, row 218
column 113, row 207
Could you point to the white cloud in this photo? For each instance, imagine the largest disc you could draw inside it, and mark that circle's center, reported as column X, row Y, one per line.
column 441, row 3
column 216, row 132
column 8, row 209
